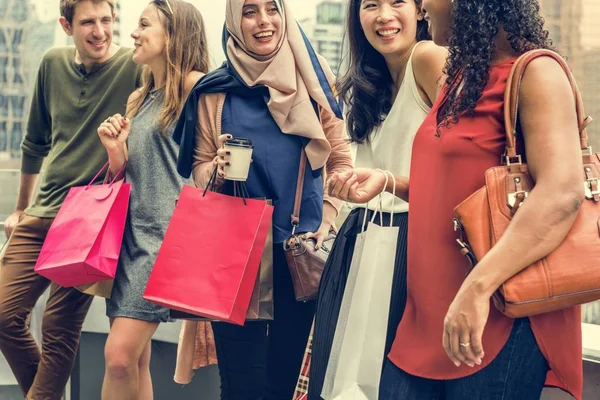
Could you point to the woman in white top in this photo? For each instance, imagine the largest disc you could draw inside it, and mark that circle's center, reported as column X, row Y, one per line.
column 393, row 79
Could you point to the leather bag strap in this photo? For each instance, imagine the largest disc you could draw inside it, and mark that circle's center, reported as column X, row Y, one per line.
column 299, row 189
column 511, row 99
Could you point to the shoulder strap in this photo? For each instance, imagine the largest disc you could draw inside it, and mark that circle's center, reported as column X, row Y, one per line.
column 511, row 99
column 299, row 190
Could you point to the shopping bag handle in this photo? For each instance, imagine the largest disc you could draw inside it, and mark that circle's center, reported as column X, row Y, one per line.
column 379, row 208
column 239, row 188
column 102, row 170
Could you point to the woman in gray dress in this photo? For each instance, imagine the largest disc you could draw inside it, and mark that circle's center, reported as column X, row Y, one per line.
column 171, row 43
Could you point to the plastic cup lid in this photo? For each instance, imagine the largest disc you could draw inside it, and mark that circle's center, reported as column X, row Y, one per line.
column 239, row 142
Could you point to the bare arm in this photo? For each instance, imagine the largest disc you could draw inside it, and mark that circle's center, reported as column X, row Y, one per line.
column 428, row 64
column 26, row 188
column 550, row 129
column 113, row 133
column 362, row 185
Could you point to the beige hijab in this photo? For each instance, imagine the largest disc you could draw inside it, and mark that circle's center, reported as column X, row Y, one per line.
column 290, row 77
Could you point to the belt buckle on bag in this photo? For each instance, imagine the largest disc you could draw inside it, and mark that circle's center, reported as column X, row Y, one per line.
column 512, row 197
column 589, row 190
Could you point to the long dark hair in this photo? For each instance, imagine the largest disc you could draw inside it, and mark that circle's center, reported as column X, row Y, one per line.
column 475, row 25
column 366, row 88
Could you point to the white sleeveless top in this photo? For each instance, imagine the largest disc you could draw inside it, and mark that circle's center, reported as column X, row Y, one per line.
column 391, row 143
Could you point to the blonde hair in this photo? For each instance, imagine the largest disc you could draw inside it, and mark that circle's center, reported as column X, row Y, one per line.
column 67, row 7
column 186, row 50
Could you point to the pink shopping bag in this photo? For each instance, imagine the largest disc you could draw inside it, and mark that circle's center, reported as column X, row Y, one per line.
column 84, row 241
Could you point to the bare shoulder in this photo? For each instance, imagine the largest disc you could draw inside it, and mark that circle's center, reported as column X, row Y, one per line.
column 547, row 72
column 429, row 57
column 428, row 62
column 191, row 79
column 426, row 50
column 544, row 79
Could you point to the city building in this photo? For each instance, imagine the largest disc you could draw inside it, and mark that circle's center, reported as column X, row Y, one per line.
column 574, row 30
column 117, row 25
column 327, row 35
column 16, row 21
column 27, row 30
column 563, row 21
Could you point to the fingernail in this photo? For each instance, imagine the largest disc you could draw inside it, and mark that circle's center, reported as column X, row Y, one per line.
column 478, row 361
column 303, row 236
column 317, row 247
column 457, row 363
column 470, row 364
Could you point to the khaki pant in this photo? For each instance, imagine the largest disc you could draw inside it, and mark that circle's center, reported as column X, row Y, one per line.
column 41, row 374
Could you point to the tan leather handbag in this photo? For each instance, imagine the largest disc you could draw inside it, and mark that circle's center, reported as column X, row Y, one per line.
column 568, row 276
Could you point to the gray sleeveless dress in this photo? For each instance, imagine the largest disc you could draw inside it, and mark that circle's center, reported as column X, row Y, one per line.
column 155, row 186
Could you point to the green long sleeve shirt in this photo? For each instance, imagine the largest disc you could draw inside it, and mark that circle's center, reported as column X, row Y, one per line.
column 67, row 107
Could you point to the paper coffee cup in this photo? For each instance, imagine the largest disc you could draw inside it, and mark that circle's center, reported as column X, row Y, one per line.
column 240, row 157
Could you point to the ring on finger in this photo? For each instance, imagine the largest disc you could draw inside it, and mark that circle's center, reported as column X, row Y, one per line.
column 465, row 344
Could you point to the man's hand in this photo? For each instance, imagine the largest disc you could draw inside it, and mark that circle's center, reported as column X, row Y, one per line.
column 11, row 222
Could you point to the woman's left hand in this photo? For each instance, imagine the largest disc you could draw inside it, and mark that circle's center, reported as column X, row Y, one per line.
column 320, row 235
column 464, row 325
column 329, row 214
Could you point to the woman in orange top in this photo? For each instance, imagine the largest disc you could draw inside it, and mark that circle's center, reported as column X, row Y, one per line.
column 451, row 343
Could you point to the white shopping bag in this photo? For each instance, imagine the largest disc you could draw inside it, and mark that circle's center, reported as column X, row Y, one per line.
column 336, row 347
column 355, row 362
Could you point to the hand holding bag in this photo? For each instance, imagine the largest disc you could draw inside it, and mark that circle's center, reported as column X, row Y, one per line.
column 356, row 358
column 304, row 261
column 568, row 276
column 209, row 259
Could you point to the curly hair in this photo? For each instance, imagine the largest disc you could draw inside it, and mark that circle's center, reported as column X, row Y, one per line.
column 367, row 85
column 474, row 27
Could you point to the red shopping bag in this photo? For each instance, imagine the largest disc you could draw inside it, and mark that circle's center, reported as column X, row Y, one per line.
column 209, row 259
column 84, row 241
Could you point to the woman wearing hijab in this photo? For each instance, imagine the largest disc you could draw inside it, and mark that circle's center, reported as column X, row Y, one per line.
column 275, row 91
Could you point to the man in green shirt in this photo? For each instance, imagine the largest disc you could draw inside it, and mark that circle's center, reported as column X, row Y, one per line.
column 76, row 89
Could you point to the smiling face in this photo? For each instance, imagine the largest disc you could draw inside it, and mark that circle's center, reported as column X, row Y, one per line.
column 439, row 15
column 149, row 37
column 261, row 26
column 91, row 30
column 390, row 26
